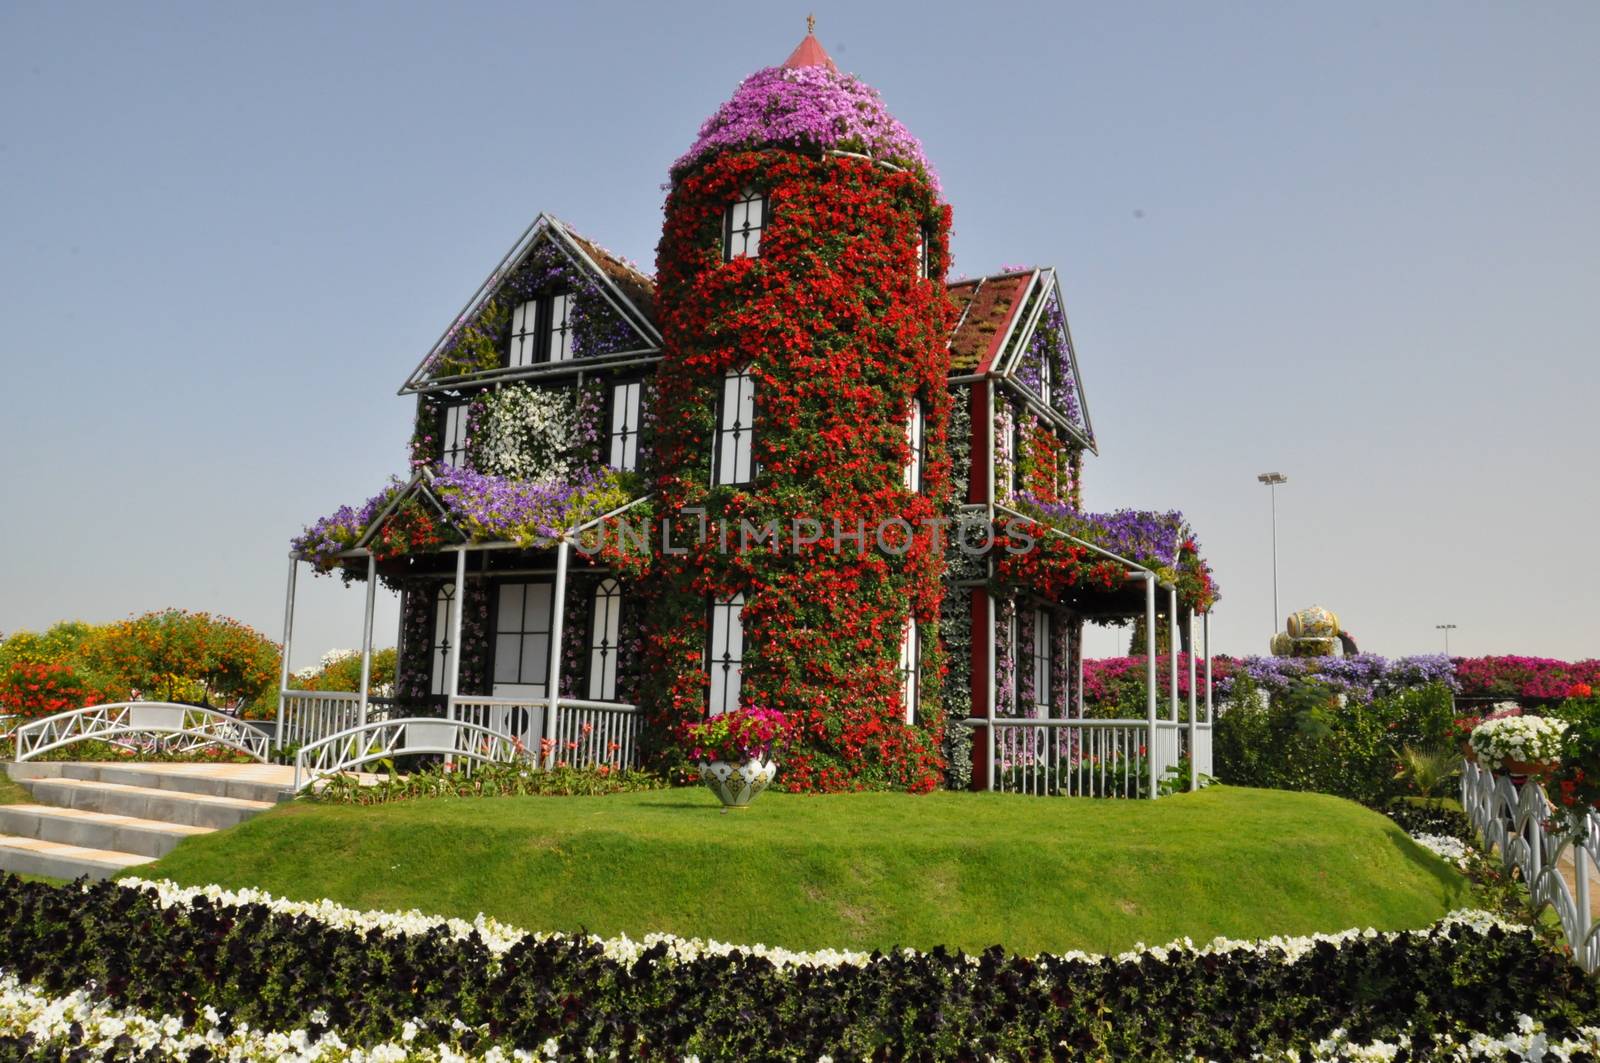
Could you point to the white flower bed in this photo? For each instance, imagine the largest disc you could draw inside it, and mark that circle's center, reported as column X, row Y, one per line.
column 1450, row 850
column 499, row 937
column 78, row 1021
column 1517, row 738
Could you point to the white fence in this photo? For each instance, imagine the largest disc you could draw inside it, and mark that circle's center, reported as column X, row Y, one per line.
column 312, row 715
column 583, row 734
column 1538, row 840
column 1092, row 758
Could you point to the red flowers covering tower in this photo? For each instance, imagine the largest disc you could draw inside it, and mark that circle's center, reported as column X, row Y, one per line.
column 803, row 408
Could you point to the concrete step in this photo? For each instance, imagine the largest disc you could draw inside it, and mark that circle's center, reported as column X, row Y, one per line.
column 95, row 830
column 195, row 779
column 143, row 802
column 33, row 856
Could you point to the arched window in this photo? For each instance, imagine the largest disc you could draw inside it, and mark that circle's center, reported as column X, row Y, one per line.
column 443, row 606
column 742, row 225
column 914, row 443
column 910, row 670
column 603, row 641
column 725, row 654
column 732, row 462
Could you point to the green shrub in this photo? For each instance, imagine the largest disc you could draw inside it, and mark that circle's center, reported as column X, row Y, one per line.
column 1304, row 739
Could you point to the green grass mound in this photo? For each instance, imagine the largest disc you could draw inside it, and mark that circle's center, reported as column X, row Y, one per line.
column 853, row 871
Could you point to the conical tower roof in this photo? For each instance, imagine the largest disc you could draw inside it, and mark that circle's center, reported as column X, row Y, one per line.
column 808, row 104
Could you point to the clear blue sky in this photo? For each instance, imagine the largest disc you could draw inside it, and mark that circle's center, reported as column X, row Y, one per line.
column 1355, row 242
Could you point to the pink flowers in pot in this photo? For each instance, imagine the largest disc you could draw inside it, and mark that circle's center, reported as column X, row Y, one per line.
column 739, row 736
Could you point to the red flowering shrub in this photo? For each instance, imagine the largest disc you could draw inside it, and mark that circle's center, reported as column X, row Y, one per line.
column 31, row 688
column 839, row 333
column 1530, row 680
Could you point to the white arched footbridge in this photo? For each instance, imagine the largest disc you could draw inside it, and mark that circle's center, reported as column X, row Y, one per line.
column 349, row 749
column 141, row 725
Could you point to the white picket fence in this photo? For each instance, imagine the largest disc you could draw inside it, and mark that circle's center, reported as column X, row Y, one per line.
column 1540, row 841
column 583, row 734
column 312, row 715
column 1078, row 757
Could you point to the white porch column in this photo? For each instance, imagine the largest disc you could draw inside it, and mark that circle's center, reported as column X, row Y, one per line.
column 366, row 635
column 553, row 677
column 459, row 600
column 1080, row 671
column 1173, row 643
column 1205, row 635
column 1194, row 755
column 1150, row 679
column 288, row 637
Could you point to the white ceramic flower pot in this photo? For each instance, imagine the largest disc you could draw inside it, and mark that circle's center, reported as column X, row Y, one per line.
column 736, row 785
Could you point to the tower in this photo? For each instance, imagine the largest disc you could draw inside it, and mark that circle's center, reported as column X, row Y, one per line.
column 801, row 424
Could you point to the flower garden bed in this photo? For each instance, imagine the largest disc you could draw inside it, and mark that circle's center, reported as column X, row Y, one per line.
column 258, row 977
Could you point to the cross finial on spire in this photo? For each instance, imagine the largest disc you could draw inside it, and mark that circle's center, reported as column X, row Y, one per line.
column 811, row 24
column 810, row 51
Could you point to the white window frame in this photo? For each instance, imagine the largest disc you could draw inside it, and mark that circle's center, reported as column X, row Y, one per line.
column 914, row 445
column 524, row 348
column 923, row 253
column 605, row 641
column 525, row 677
column 443, row 607
column 558, row 331
column 725, row 654
column 1041, row 661
column 1044, row 380
column 453, row 436
column 626, row 398
column 743, row 224
column 910, row 670
column 732, row 459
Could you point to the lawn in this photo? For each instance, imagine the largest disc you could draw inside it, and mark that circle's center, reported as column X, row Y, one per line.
column 860, row 871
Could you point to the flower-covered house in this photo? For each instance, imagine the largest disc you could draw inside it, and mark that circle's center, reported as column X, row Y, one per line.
column 797, row 467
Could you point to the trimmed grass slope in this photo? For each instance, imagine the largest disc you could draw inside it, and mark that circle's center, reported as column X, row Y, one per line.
column 858, row 871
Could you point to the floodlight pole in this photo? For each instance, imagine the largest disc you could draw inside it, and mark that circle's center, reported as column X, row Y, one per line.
column 1272, row 480
column 1446, row 628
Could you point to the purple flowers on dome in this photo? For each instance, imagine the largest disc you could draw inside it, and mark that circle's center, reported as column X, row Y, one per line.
column 808, row 107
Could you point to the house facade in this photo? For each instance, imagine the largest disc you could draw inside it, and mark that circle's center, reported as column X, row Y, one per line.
column 796, row 467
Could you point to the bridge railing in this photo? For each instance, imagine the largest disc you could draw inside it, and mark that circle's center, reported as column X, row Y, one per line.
column 132, row 724
column 408, row 736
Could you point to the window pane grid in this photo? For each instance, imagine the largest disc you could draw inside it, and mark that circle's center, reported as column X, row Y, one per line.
column 913, row 471
column 625, row 425
column 454, row 436
column 603, row 641
column 444, row 602
column 910, row 652
column 733, row 463
column 742, row 227
column 1041, row 661
column 725, row 659
column 525, row 334
column 560, row 328
column 522, row 634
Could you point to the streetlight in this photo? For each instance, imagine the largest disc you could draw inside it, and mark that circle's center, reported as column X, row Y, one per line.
column 1446, row 628
column 1272, row 480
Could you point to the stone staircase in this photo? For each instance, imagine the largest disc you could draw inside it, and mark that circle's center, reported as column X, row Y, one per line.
column 100, row 819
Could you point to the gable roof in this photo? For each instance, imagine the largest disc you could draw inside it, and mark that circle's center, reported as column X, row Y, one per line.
column 987, row 306
column 420, row 486
column 630, row 292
